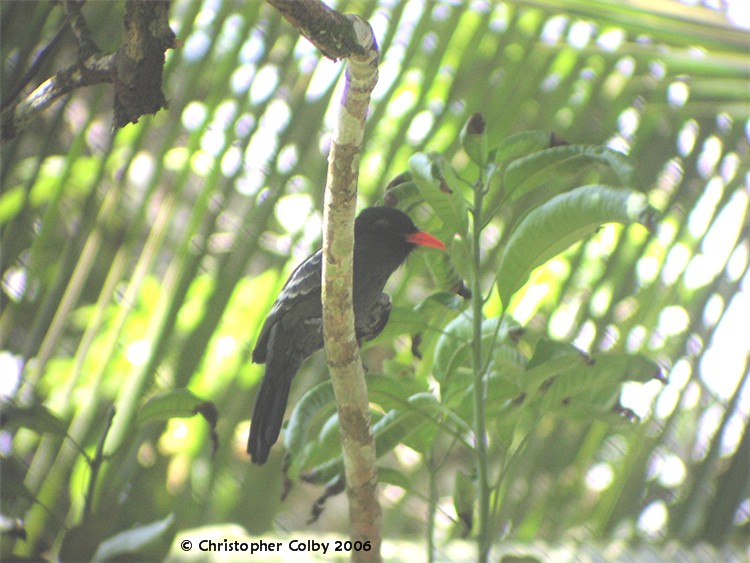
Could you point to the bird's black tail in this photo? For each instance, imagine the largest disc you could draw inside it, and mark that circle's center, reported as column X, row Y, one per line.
column 268, row 415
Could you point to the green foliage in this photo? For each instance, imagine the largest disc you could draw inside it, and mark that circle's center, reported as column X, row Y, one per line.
column 136, row 542
column 558, row 164
column 555, row 379
column 179, row 403
column 37, row 418
column 438, row 185
column 555, row 225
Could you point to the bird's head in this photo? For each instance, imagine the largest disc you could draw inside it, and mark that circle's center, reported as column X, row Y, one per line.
column 391, row 228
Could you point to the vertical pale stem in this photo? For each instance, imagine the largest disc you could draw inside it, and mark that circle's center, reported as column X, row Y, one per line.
column 342, row 349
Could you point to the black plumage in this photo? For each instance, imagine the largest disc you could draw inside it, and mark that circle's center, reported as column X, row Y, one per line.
column 383, row 239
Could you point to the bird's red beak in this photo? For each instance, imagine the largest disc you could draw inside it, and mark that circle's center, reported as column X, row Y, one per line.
column 423, row 239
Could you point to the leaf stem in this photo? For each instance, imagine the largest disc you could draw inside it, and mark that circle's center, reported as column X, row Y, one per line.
column 480, row 431
column 96, row 463
column 432, row 506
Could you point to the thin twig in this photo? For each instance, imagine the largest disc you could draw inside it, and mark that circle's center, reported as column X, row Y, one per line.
column 96, row 463
column 43, row 55
column 80, row 29
column 484, row 539
column 95, row 70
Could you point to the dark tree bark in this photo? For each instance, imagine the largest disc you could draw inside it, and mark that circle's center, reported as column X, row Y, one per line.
column 135, row 70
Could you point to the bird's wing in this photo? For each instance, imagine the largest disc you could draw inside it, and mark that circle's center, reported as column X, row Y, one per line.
column 303, row 281
column 374, row 320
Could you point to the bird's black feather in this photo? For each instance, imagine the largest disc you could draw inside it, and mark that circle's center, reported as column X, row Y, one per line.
column 303, row 283
column 293, row 329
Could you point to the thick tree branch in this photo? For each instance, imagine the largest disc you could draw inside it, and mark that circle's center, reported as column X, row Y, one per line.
column 339, row 36
column 140, row 60
column 342, row 349
column 331, row 32
column 135, row 69
column 81, row 31
column 95, row 70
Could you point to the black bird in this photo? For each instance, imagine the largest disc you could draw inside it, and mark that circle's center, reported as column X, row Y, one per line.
column 293, row 330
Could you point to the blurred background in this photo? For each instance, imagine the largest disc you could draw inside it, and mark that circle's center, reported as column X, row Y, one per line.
column 144, row 260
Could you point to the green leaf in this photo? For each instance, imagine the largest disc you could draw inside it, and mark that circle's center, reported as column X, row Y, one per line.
column 453, row 349
column 552, row 358
column 398, row 424
column 561, row 378
column 387, row 391
column 392, row 392
column 629, row 367
column 568, row 218
column 180, row 403
column 474, row 139
column 390, row 430
column 134, row 541
column 404, row 195
column 460, row 254
column 508, row 151
column 568, row 161
column 296, row 435
column 394, row 477
column 453, row 365
column 502, row 387
column 464, row 499
column 403, row 320
column 440, row 302
column 36, row 417
column 423, row 318
column 440, row 187
column 521, row 144
column 13, row 475
column 441, row 265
